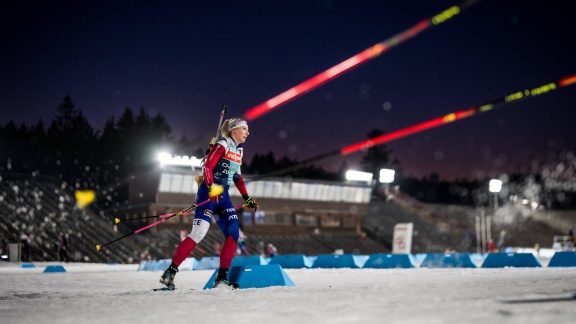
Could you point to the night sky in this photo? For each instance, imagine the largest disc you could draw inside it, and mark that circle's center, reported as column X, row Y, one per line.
column 185, row 59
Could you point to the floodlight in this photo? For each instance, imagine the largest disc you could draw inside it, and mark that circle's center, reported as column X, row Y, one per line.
column 168, row 159
column 495, row 185
column 359, row 176
column 387, row 175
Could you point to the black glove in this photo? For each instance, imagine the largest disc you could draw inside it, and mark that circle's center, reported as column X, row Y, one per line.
column 250, row 202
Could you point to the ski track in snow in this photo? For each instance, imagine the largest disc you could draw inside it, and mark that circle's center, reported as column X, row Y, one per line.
column 100, row 293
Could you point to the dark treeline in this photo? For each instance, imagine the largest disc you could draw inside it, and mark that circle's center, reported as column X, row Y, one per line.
column 70, row 150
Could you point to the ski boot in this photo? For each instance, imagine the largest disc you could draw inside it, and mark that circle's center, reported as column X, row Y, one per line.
column 222, row 279
column 168, row 276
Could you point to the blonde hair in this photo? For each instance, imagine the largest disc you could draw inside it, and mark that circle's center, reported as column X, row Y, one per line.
column 225, row 129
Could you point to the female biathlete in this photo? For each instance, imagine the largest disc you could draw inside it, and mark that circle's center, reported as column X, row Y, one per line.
column 221, row 168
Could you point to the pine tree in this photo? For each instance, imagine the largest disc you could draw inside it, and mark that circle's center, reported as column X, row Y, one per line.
column 72, row 140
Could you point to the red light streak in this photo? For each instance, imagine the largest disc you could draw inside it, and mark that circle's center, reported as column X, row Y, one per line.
column 335, row 71
column 407, row 131
column 567, row 81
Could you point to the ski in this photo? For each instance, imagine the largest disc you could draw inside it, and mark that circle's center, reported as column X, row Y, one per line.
column 539, row 299
column 166, row 289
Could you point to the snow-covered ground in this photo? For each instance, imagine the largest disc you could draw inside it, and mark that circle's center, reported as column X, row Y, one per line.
column 101, row 293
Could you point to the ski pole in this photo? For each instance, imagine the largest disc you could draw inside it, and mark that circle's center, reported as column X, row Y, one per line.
column 182, row 212
column 98, row 246
column 118, row 220
column 170, row 215
column 163, row 218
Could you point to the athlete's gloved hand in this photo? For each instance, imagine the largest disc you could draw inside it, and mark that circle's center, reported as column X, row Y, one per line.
column 250, row 202
column 214, row 192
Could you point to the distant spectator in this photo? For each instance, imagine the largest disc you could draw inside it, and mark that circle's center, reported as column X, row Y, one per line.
column 501, row 241
column 145, row 255
column 260, row 248
column 63, row 248
column 241, row 248
column 216, row 248
column 491, row 248
column 25, row 239
column 468, row 240
column 271, row 250
column 3, row 249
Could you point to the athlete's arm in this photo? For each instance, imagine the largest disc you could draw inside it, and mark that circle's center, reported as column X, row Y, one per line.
column 240, row 184
column 216, row 152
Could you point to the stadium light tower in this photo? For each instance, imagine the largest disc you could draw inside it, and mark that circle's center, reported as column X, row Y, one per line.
column 495, row 186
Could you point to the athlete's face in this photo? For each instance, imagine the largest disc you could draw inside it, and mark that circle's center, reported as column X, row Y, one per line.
column 240, row 134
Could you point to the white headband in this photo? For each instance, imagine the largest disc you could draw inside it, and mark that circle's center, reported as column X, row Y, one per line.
column 237, row 123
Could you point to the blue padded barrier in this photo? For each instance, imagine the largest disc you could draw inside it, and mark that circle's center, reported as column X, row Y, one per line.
column 208, row 263
column 150, row 265
column 54, row 268
column 448, row 260
column 387, row 261
column 189, row 264
column 419, row 257
column 360, row 260
column 339, row 261
column 256, row 276
column 292, row 261
column 162, row 265
column 247, row 260
column 141, row 265
column 563, row 259
column 27, row 265
column 312, row 259
column 478, row 258
column 518, row 260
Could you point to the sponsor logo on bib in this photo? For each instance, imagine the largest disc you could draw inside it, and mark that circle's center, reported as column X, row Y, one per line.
column 234, row 157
